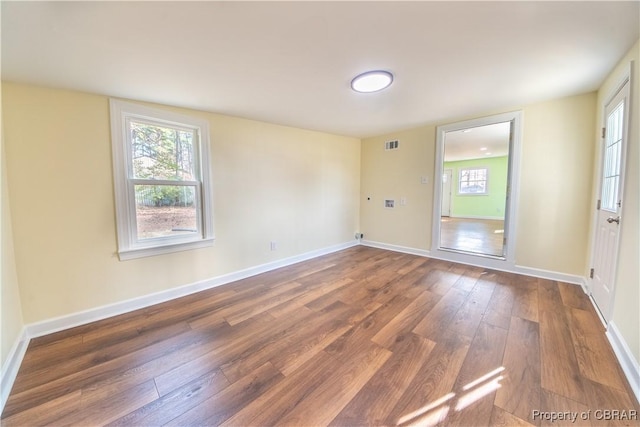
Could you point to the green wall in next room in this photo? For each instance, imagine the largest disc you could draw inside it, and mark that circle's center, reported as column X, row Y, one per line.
column 490, row 205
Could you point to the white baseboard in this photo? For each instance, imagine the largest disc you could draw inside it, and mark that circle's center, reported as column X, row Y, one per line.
column 498, row 218
column 11, row 366
column 550, row 275
column 495, row 265
column 49, row 326
column 395, row 248
column 628, row 363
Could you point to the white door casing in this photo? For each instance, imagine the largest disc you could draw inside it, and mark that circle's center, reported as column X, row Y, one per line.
column 447, row 176
column 610, row 200
column 507, row 261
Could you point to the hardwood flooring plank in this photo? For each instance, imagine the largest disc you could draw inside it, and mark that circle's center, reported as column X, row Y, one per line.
column 549, row 296
column 338, row 389
column 308, row 296
column 221, row 406
column 176, row 402
column 296, row 345
column 47, row 373
column 102, row 408
column 349, row 344
column 498, row 312
column 299, row 354
column 445, row 280
column 429, row 397
column 406, row 320
column 501, row 418
column 49, row 354
column 593, row 352
column 279, row 400
column 441, row 314
column 101, row 372
column 602, row 398
column 520, row 391
column 553, row 403
column 46, row 413
column 240, row 341
column 169, row 313
column 574, row 296
column 560, row 372
column 525, row 304
column 469, row 316
column 479, row 377
column 250, row 307
column 376, row 399
column 469, row 276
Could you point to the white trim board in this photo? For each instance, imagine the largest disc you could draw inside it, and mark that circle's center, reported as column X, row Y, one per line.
column 628, row 363
column 396, row 248
column 495, row 264
column 497, row 218
column 11, row 366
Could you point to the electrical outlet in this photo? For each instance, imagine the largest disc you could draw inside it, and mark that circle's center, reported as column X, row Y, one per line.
column 273, row 245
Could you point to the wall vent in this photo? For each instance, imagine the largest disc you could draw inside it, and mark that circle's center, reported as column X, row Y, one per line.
column 391, row 145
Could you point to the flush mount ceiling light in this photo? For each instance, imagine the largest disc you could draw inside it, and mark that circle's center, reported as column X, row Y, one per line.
column 371, row 81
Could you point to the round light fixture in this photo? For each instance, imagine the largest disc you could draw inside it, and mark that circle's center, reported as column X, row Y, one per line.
column 371, row 81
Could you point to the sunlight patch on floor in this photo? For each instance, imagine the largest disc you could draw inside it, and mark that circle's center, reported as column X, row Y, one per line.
column 435, row 412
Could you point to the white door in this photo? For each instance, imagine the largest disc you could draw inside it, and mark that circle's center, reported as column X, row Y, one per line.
column 608, row 218
column 446, row 192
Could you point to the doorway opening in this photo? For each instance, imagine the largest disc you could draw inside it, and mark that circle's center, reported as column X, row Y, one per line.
column 475, row 172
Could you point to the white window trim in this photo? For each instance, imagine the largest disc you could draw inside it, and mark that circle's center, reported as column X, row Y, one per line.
column 486, row 181
column 128, row 245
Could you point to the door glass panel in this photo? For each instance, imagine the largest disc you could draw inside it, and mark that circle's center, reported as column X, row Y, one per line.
column 612, row 152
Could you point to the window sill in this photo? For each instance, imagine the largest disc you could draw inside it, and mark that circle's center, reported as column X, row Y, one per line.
column 128, row 254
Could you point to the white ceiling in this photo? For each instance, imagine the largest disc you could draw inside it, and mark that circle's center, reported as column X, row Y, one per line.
column 291, row 62
column 477, row 142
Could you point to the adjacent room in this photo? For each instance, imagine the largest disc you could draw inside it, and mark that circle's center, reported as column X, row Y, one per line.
column 320, row 213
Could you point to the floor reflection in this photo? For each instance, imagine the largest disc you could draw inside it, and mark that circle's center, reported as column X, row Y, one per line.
column 480, row 236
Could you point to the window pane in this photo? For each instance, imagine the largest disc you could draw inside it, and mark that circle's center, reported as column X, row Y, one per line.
column 165, row 210
column 473, row 181
column 612, row 154
column 160, row 152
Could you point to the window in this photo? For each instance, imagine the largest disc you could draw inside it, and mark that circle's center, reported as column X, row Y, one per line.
column 612, row 155
column 162, row 184
column 473, row 181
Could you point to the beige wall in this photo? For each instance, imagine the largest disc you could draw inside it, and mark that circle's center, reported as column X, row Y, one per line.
column 554, row 194
column 626, row 312
column 271, row 183
column 11, row 308
column 396, row 174
column 556, row 185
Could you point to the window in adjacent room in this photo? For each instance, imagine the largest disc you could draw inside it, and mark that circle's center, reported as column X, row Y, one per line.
column 473, row 181
column 162, row 184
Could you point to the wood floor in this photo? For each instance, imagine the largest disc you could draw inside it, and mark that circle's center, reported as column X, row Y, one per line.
column 479, row 236
column 359, row 337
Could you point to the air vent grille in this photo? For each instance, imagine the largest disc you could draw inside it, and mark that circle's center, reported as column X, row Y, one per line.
column 391, row 145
